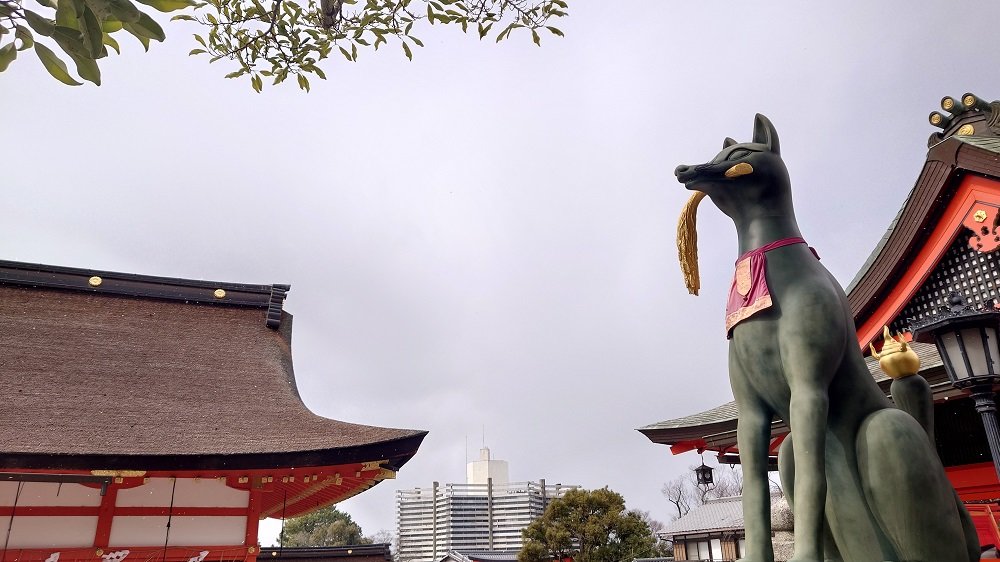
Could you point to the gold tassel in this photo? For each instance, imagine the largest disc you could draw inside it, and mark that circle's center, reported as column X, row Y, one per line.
column 687, row 242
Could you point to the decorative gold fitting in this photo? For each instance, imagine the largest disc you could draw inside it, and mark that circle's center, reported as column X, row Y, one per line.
column 897, row 359
column 965, row 130
column 936, row 119
column 252, row 550
column 95, row 281
column 980, row 216
column 119, row 473
column 99, row 552
column 219, row 294
column 969, row 100
column 947, row 103
column 741, row 169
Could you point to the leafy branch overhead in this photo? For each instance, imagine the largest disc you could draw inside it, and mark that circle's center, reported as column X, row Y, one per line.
column 261, row 39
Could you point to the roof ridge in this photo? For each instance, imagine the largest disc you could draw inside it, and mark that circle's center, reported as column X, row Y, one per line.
column 35, row 275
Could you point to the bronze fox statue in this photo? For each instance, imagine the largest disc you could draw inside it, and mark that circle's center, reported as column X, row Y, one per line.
column 864, row 482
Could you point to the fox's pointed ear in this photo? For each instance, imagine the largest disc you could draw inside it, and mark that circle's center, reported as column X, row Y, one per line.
column 764, row 133
column 728, row 142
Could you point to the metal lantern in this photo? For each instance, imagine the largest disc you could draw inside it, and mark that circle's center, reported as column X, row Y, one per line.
column 704, row 475
column 967, row 340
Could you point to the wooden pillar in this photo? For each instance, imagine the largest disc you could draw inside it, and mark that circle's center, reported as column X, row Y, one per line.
column 105, row 516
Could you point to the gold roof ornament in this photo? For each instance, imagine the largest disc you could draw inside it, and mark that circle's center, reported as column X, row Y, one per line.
column 897, row 359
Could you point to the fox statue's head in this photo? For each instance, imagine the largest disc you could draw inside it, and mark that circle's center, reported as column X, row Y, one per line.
column 745, row 178
column 746, row 181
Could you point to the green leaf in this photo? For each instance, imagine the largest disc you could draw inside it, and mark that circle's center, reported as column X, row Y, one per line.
column 554, row 31
column 484, row 31
column 354, row 52
column 197, row 52
column 169, row 5
column 7, row 55
column 430, row 14
column 101, row 8
column 66, row 14
column 111, row 26
column 70, row 40
column 318, row 71
column 416, row 41
column 347, row 54
column 111, row 42
column 91, row 33
column 47, row 3
column 42, row 26
column 56, row 67
column 303, row 82
column 87, row 68
column 407, row 51
column 142, row 38
column 24, row 35
column 256, row 83
column 147, row 27
column 536, row 38
column 185, row 17
column 124, row 10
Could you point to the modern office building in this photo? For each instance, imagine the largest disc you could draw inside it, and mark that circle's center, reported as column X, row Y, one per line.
column 487, row 513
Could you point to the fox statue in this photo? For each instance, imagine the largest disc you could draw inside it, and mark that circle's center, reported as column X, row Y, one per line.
column 864, row 482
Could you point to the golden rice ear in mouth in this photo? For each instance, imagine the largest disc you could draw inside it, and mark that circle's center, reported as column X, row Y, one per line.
column 687, row 242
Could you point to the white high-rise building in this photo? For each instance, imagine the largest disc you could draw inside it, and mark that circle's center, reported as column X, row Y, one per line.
column 487, row 513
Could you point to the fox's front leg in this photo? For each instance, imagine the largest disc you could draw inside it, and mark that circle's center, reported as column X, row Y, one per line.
column 753, row 435
column 810, row 356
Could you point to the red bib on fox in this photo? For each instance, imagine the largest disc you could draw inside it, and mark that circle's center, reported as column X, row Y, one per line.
column 748, row 294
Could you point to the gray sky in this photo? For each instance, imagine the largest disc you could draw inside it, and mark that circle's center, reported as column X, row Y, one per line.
column 485, row 236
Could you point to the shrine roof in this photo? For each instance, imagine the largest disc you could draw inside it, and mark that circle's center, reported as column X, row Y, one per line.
column 968, row 143
column 722, row 514
column 104, row 370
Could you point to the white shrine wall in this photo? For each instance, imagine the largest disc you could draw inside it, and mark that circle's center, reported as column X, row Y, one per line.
column 69, row 517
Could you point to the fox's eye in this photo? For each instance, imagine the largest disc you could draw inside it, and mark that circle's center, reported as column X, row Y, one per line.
column 739, row 153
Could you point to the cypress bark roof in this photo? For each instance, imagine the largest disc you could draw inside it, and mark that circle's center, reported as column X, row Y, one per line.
column 157, row 377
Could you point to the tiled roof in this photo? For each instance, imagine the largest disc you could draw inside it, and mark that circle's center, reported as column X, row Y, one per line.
column 109, row 381
column 725, row 412
column 723, row 514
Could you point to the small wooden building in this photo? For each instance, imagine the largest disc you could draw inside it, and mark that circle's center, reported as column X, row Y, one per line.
column 712, row 531
column 943, row 240
column 155, row 419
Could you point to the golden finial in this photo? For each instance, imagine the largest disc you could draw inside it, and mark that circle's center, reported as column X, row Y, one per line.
column 965, row 130
column 897, row 359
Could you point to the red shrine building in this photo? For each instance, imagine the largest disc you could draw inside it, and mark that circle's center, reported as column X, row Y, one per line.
column 944, row 240
column 154, row 419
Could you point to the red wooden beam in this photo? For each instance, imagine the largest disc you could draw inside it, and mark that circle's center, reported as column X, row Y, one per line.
column 105, row 516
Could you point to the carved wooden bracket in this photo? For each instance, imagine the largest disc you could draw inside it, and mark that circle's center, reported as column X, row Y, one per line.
column 982, row 221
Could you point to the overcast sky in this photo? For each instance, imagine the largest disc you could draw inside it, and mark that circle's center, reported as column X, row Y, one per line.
column 484, row 237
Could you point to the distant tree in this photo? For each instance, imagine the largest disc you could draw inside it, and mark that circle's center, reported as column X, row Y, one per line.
column 383, row 536
column 326, row 527
column 589, row 526
column 262, row 39
column 663, row 547
column 684, row 493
